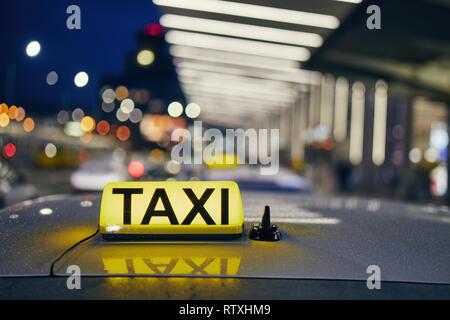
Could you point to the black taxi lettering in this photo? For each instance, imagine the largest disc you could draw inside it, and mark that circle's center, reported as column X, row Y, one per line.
column 160, row 194
column 167, row 212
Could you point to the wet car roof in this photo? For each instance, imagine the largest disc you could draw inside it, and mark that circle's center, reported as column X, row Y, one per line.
column 324, row 238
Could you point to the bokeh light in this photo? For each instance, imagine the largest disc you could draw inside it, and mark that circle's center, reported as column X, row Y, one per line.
column 50, row 150
column 156, row 156
column 12, row 112
column 123, row 133
column 153, row 29
column 108, row 96
column 103, row 127
column 4, row 120
column 175, row 109
column 108, row 107
column 28, row 125
column 87, row 124
column 52, row 78
column 415, row 155
column 33, row 48
column 136, row 169
column 192, row 110
column 77, row 114
column 20, row 114
column 127, row 105
column 81, row 79
column 62, row 117
column 119, row 154
column 86, row 137
column 173, row 167
column 121, row 93
column 122, row 116
column 136, row 116
column 145, row 57
column 9, row 150
column 3, row 108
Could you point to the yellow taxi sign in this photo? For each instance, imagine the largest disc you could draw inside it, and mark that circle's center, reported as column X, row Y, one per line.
column 156, row 208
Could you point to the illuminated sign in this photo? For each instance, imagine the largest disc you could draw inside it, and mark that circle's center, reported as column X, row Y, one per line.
column 171, row 208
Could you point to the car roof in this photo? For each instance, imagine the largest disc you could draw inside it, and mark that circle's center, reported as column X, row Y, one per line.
column 324, row 238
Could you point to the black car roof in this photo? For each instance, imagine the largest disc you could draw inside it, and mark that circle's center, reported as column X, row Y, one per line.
column 324, row 238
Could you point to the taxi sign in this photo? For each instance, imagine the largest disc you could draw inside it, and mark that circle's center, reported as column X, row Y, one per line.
column 171, row 208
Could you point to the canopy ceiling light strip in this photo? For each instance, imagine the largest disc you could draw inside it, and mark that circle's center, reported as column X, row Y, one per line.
column 258, row 48
column 241, row 30
column 254, row 11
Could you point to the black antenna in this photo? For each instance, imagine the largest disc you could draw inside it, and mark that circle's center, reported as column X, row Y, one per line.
column 265, row 224
column 265, row 231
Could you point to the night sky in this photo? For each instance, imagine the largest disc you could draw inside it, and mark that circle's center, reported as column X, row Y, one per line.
column 109, row 30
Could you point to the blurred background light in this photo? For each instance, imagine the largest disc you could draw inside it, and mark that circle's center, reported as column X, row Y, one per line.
column 86, row 137
column 108, row 107
column 103, row 127
column 254, row 11
column 431, row 155
column 238, row 45
column 415, row 155
column 33, row 48
column 9, row 150
column 136, row 115
column 12, row 112
column 108, row 96
column 192, row 110
column 50, row 150
column 127, row 105
column 121, row 93
column 136, row 169
column 145, row 57
column 238, row 59
column 3, row 108
column 357, row 123
column 73, row 129
column 20, row 114
column 380, row 123
column 77, row 114
column 156, row 156
column 87, row 124
column 28, row 125
column 52, row 78
column 4, row 120
column 81, row 79
column 175, row 109
column 62, row 117
column 123, row 133
column 242, row 30
column 122, row 116
column 153, row 29
column 119, row 154
column 173, row 167
column 341, row 109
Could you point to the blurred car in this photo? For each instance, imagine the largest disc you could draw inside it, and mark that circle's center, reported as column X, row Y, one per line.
column 249, row 178
column 13, row 186
column 64, row 158
column 93, row 175
column 327, row 248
